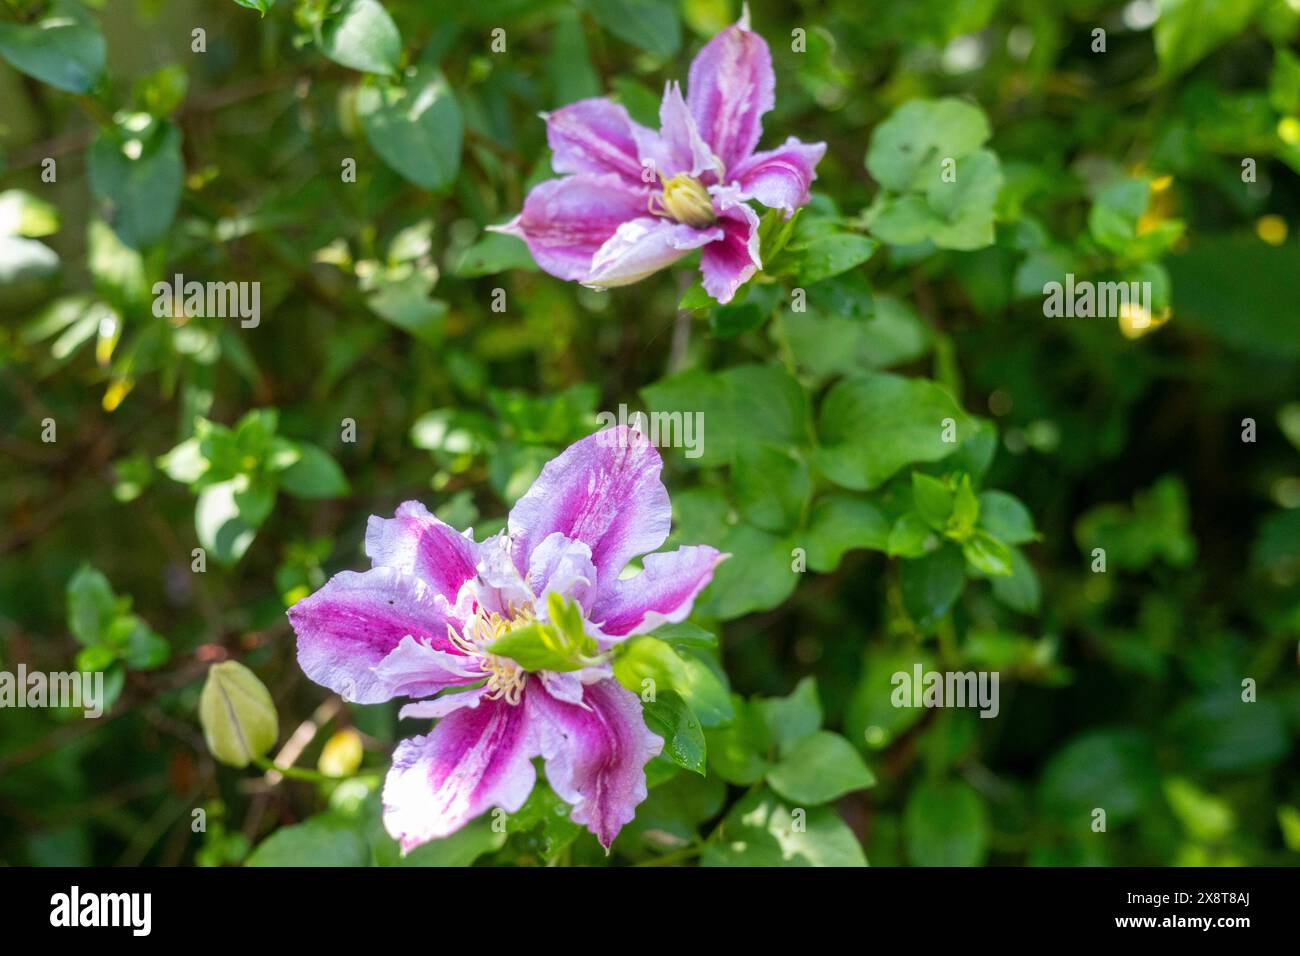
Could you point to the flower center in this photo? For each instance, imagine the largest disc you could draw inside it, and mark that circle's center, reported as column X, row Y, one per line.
column 686, row 200
column 505, row 678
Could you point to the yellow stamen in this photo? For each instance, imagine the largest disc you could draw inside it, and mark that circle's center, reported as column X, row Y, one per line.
column 505, row 678
column 686, row 200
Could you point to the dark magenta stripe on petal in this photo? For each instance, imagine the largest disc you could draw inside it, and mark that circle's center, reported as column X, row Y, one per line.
column 662, row 593
column 594, row 136
column 475, row 759
column 595, row 754
column 603, row 491
column 414, row 540
column 731, row 86
column 351, row 624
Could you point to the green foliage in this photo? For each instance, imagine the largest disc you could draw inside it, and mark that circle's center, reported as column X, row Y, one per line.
column 911, row 462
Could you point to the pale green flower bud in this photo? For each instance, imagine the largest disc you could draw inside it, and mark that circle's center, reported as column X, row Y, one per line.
column 238, row 715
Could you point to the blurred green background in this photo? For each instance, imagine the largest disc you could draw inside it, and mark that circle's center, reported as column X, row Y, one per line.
column 1170, row 156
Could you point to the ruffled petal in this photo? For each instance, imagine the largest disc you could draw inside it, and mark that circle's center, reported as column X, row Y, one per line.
column 565, row 221
column 415, row 669
column 595, row 753
column 444, row 705
column 643, row 246
column 563, row 566
column 595, row 136
column 474, row 759
column 348, row 627
column 731, row 86
column 779, row 178
column 663, row 593
column 729, row 263
column 678, row 147
column 415, row 541
column 603, row 491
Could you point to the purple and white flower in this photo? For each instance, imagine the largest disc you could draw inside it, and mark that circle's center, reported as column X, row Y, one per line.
column 419, row 622
column 638, row 200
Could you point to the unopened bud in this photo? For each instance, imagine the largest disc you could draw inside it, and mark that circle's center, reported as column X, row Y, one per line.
column 238, row 715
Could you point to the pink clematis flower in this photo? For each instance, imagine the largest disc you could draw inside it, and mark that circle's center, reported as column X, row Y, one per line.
column 418, row 623
column 637, row 200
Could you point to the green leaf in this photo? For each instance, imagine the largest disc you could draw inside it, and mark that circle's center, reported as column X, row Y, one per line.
column 686, row 636
column 1187, row 30
column 544, row 820
column 840, row 523
column 261, row 6
column 227, row 516
column 362, row 35
column 22, row 214
column 910, row 537
column 827, row 343
column 819, row 768
column 738, row 753
column 64, row 48
column 931, row 584
column 907, row 149
column 493, row 254
column 669, row 716
column 1020, row 591
column 1238, row 290
column 746, row 404
column 462, row 848
column 652, row 25
column 791, row 719
column 987, row 554
column 405, row 302
column 1114, row 770
column 762, row 830
column 933, row 500
column 145, row 649
column 772, row 486
column 91, row 605
column 414, row 126
column 830, row 255
column 324, row 840
column 136, row 172
column 649, row 659
column 1006, row 518
column 945, row 824
column 908, row 421
column 314, row 475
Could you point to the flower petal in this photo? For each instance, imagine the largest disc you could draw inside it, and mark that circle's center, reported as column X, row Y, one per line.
column 678, row 147
column 415, row 669
column 729, row 263
column 348, row 627
column 779, row 178
column 444, row 705
column 474, row 759
column 595, row 753
column 561, row 565
column 731, row 86
column 603, row 491
column 644, row 246
column 565, row 221
column 595, row 136
column 662, row 593
column 415, row 541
